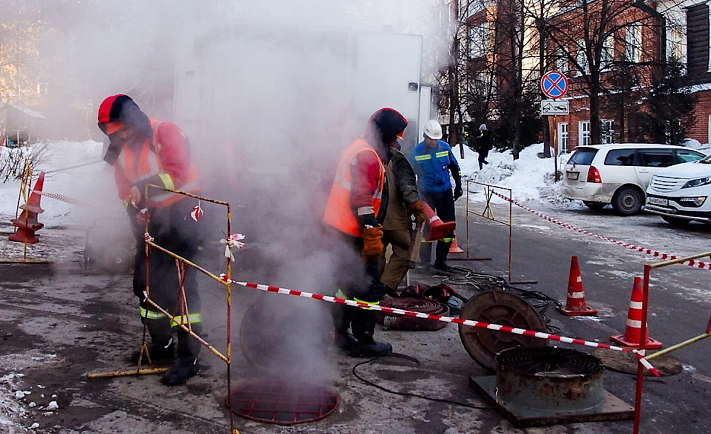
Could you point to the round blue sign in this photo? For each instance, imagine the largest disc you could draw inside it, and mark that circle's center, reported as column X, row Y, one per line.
column 554, row 84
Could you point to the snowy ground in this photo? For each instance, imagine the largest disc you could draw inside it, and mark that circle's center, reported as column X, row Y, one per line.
column 530, row 178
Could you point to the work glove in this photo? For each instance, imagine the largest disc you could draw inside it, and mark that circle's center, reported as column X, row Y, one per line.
column 372, row 243
column 419, row 213
column 458, row 192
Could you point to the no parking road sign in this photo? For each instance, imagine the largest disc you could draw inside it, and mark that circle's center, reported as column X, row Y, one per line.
column 554, row 84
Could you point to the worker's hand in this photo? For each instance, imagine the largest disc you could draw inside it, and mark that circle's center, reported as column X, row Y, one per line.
column 142, row 218
column 458, row 192
column 419, row 213
column 372, row 243
column 135, row 195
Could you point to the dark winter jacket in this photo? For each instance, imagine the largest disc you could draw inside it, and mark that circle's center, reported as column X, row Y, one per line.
column 402, row 187
column 485, row 144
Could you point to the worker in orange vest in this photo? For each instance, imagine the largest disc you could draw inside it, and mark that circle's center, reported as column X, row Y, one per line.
column 144, row 151
column 355, row 210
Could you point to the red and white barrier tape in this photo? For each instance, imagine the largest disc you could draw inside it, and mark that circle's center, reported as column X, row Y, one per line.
column 662, row 256
column 62, row 198
column 466, row 322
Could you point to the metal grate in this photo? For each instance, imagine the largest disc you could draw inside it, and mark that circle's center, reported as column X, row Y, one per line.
column 549, row 360
column 279, row 402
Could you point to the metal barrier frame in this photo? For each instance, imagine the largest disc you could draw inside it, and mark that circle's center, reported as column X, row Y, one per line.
column 488, row 214
column 186, row 326
column 643, row 332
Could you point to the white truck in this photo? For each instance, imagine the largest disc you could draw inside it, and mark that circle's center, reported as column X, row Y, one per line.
column 270, row 93
column 267, row 104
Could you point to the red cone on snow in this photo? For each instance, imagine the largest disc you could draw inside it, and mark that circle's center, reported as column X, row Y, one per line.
column 633, row 330
column 575, row 302
column 438, row 228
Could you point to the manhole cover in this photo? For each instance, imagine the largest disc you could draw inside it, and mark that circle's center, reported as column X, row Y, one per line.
column 498, row 307
column 283, row 403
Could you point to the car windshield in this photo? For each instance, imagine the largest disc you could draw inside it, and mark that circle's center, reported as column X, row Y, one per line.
column 583, row 156
column 705, row 160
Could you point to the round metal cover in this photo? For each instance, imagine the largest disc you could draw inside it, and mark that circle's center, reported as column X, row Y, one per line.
column 504, row 308
column 287, row 335
column 279, row 402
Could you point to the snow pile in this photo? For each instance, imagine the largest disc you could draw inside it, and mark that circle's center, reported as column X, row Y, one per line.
column 11, row 408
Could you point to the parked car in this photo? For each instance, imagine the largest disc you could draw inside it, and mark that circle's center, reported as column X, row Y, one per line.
column 679, row 194
column 619, row 174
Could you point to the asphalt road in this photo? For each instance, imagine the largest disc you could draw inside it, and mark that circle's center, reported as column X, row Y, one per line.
column 57, row 325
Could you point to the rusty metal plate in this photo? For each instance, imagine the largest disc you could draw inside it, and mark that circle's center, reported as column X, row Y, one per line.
column 282, row 402
column 504, row 308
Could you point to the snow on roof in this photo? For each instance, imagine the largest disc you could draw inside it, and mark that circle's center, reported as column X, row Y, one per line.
column 24, row 110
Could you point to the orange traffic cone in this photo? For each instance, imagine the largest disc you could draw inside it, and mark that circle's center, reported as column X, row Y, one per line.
column 633, row 330
column 453, row 248
column 26, row 223
column 33, row 203
column 438, row 228
column 575, row 302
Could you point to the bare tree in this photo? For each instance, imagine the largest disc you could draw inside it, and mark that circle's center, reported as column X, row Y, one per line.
column 613, row 46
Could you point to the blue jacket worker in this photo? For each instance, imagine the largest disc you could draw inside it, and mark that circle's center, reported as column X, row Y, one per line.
column 433, row 161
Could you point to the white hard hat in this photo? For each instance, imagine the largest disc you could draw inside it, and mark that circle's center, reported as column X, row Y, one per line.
column 433, row 130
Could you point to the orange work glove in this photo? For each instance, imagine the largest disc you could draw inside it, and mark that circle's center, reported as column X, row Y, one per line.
column 372, row 243
column 419, row 213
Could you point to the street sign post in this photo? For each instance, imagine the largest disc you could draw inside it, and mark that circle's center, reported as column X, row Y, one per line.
column 554, row 84
column 551, row 107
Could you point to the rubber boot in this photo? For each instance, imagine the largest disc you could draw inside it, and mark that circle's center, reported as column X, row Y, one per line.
column 363, row 325
column 441, row 256
column 187, row 366
column 343, row 339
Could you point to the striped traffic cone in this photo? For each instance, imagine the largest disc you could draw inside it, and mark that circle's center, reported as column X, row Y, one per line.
column 575, row 302
column 453, row 248
column 633, row 330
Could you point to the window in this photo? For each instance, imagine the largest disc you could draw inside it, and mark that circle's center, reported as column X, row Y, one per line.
column 608, row 53
column 687, row 155
column 608, row 132
column 633, row 43
column 619, row 157
column 477, row 40
column 583, row 156
column 562, row 137
column 676, row 46
column 561, row 60
column 583, row 133
column 654, row 158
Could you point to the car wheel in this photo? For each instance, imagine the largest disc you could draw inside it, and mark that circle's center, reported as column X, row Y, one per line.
column 627, row 201
column 594, row 205
column 675, row 221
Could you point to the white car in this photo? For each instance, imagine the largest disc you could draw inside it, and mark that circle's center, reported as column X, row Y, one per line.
column 619, row 174
column 680, row 193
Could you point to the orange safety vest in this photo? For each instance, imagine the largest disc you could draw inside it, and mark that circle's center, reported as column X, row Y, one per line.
column 149, row 165
column 339, row 213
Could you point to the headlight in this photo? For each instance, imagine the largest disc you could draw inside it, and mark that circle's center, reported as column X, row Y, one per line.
column 697, row 201
column 697, row 182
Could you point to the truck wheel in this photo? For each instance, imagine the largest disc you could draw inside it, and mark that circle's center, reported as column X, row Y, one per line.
column 594, row 205
column 675, row 221
column 627, row 201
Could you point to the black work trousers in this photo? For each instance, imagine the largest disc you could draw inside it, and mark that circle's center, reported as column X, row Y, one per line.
column 172, row 231
column 443, row 205
column 357, row 280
